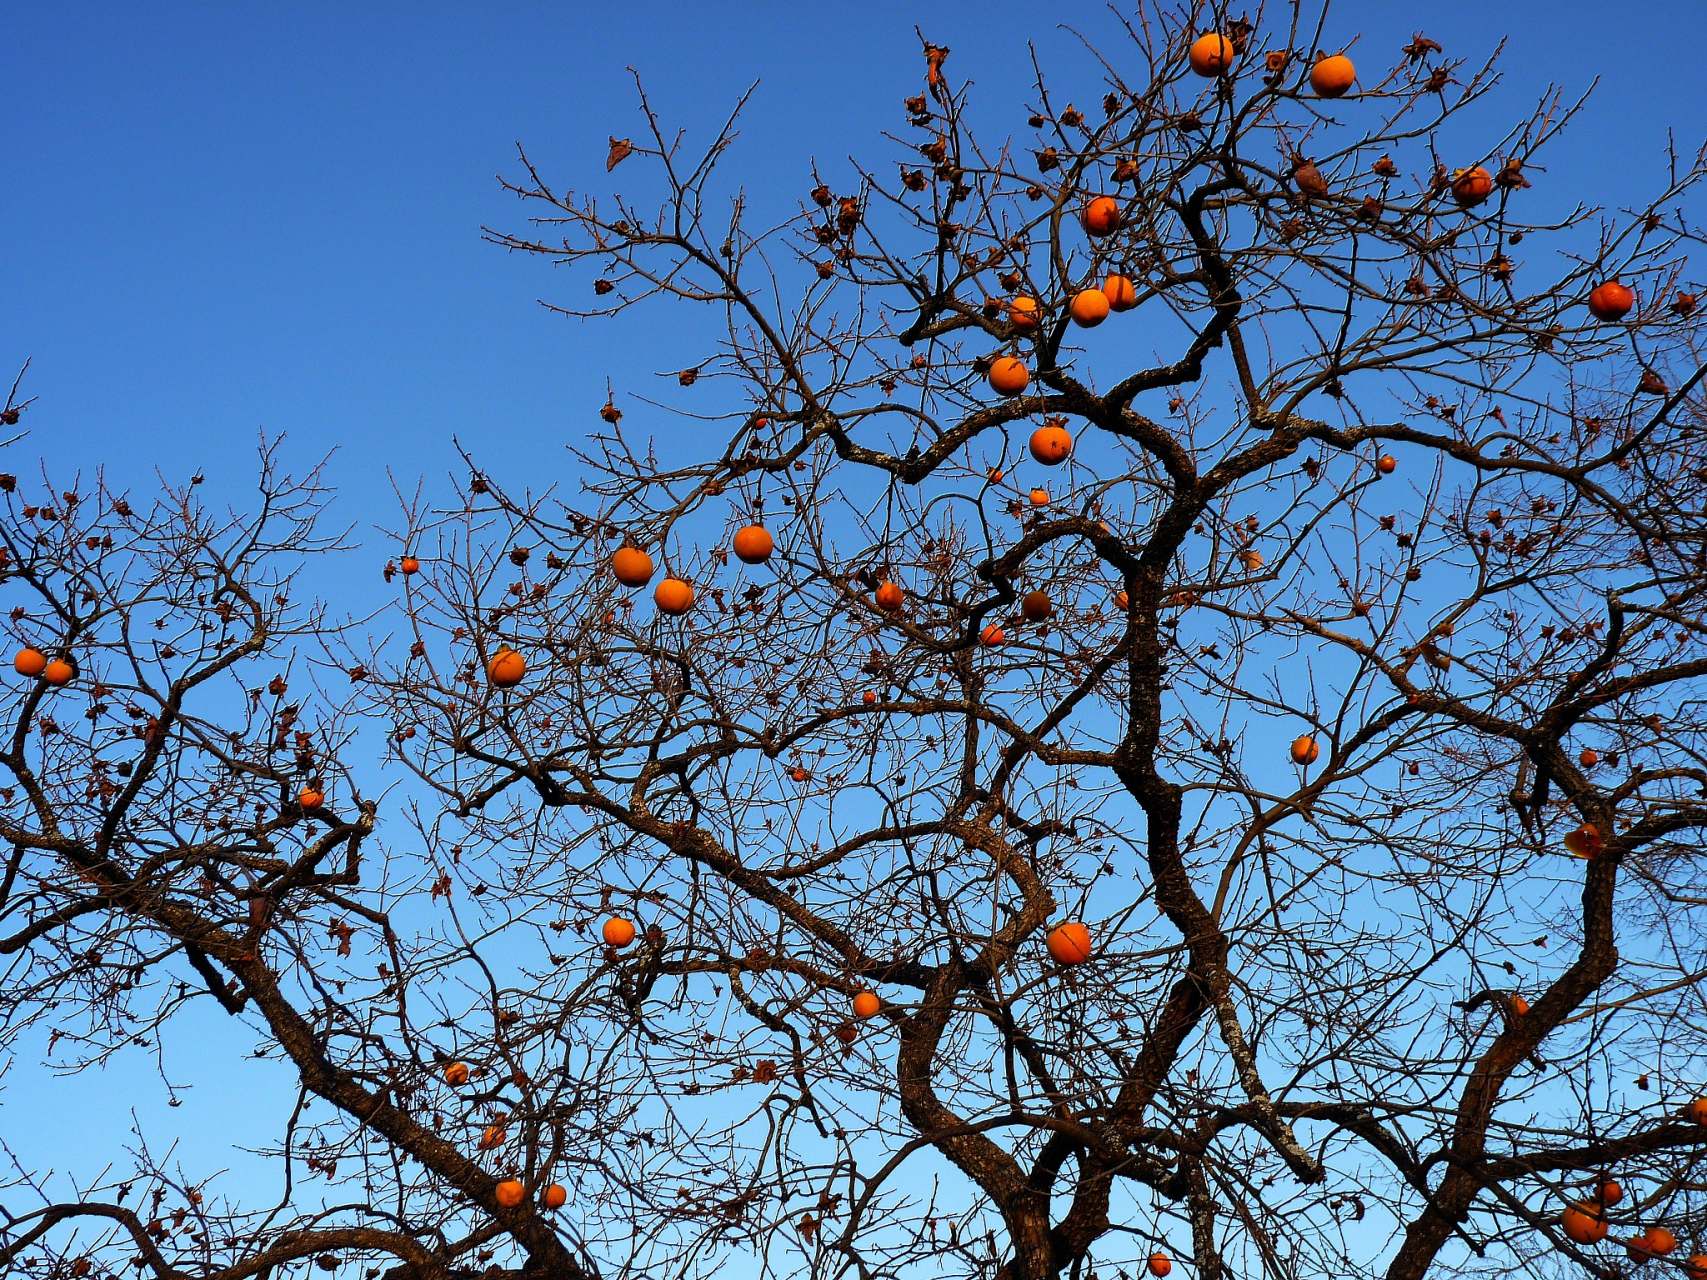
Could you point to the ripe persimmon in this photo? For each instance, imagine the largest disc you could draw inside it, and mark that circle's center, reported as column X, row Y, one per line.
column 1051, row 445
column 1089, row 308
column 618, row 932
column 632, row 566
column 30, row 662
column 754, row 544
column 311, row 797
column 1387, row 464
column 866, row 1004
column 58, row 672
column 673, row 596
column 1305, row 750
column 1070, row 943
column 456, row 1074
column 555, row 1196
column 1101, row 216
column 1009, row 377
column 1470, row 187
column 506, row 668
column 1024, row 314
column 992, row 636
column 1036, row 606
column 1611, row 301
column 1159, row 1264
column 509, row 1193
column 1122, row 295
column 409, row 565
column 889, row 597
column 1211, row 54
column 1584, row 1223
column 1332, row 76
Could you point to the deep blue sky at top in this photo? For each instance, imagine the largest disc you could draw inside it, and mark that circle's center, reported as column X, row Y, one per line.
column 223, row 217
column 218, row 218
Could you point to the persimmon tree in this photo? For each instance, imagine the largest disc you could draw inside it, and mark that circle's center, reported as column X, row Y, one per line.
column 1316, row 626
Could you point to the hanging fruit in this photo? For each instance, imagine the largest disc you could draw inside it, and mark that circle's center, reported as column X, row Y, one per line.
column 632, row 566
column 1089, row 308
column 506, row 668
column 1101, row 216
column 1211, row 54
column 1008, row 376
column 1070, row 943
column 1611, row 302
column 1331, row 77
column 618, row 932
column 754, row 544
column 1051, row 444
column 673, row 596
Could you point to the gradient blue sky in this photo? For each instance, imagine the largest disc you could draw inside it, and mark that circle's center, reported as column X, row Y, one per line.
column 223, row 217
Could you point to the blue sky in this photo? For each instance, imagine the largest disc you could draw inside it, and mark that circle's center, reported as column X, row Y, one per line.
column 223, row 218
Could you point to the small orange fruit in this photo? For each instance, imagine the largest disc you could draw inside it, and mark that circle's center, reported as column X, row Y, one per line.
column 1121, row 601
column 456, row 1074
column 506, row 668
column 1009, row 377
column 58, row 672
column 870, row 698
column 1051, row 445
column 1036, row 606
column 1470, row 187
column 1101, row 216
column 799, row 773
column 889, row 597
column 1024, row 314
column 866, row 1004
column 510, row 1193
column 1589, row 758
column 1584, row 1223
column 1585, row 841
column 30, row 662
column 673, row 596
column 1697, row 1111
column 1070, row 943
column 1305, row 750
column 493, row 1137
column 1121, row 294
column 1387, row 464
column 555, row 1196
column 409, row 565
column 311, row 797
column 1611, row 301
column 618, row 932
column 992, row 636
column 1609, row 1193
column 1211, row 54
column 847, row 1033
column 1089, row 308
column 632, row 566
column 1040, row 497
column 1159, row 1264
column 1331, row 77
column 754, row 544
column 1696, row 1267
column 1519, row 1007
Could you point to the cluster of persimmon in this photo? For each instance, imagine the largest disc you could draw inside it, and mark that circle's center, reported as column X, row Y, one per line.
column 33, row 664
column 1585, row 1222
